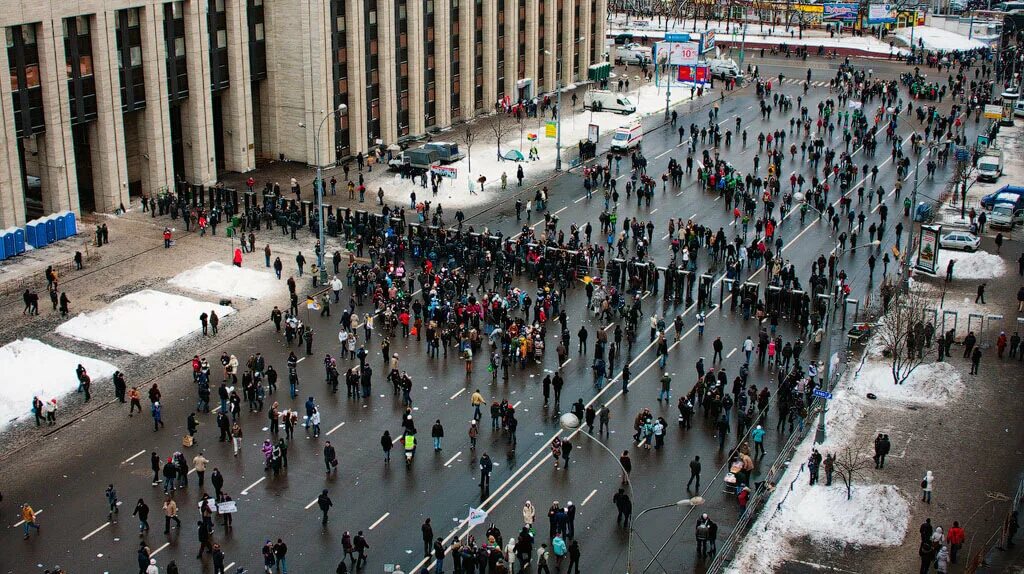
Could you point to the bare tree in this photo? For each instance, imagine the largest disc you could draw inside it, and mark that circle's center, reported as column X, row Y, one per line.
column 901, row 332
column 965, row 175
column 502, row 125
column 467, row 139
column 849, row 464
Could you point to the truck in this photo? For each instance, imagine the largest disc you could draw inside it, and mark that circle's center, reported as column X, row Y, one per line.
column 449, row 151
column 605, row 101
column 627, row 137
column 416, row 159
column 990, row 165
column 632, row 54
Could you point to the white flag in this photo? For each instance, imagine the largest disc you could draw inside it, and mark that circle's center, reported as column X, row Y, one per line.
column 476, row 516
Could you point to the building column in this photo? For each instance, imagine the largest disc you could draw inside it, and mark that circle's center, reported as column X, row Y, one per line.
column 109, row 161
column 568, row 42
column 355, row 39
column 584, row 46
column 490, row 54
column 467, row 83
column 442, row 63
column 57, row 152
column 12, row 191
column 239, row 149
column 532, row 45
column 417, row 64
column 601, row 19
column 387, row 48
column 155, row 131
column 551, row 45
column 200, row 163
column 512, row 48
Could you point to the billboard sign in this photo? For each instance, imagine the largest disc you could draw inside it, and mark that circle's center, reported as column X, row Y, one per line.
column 928, row 249
column 444, row 171
column 709, row 42
column 676, row 53
column 881, row 14
column 693, row 74
column 842, row 12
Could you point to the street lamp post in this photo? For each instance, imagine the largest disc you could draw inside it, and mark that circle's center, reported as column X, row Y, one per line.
column 319, row 185
column 571, row 423
column 558, row 105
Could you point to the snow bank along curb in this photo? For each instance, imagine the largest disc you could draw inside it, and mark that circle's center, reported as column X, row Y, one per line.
column 33, row 368
column 228, row 281
column 144, row 323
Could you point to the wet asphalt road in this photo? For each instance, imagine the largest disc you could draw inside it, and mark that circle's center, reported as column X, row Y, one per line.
column 65, row 476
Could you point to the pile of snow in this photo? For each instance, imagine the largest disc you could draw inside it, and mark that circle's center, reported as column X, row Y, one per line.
column 32, row 368
column 977, row 265
column 931, row 383
column 938, row 39
column 876, row 515
column 228, row 281
column 143, row 323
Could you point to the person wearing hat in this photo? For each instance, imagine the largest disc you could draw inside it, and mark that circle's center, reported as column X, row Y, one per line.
column 758, row 435
column 152, row 569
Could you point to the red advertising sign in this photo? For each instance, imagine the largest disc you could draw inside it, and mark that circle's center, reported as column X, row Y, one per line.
column 698, row 74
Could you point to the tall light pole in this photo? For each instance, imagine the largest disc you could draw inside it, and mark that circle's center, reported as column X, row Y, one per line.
column 558, row 105
column 571, row 423
column 319, row 186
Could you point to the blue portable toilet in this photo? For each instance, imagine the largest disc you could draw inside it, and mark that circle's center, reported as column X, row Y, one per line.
column 61, row 227
column 32, row 234
column 4, row 253
column 19, row 240
column 50, row 222
column 70, row 225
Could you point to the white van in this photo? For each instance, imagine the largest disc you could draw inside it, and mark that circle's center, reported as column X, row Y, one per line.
column 1018, row 108
column 724, row 68
column 990, row 166
column 633, row 54
column 627, row 137
column 605, row 101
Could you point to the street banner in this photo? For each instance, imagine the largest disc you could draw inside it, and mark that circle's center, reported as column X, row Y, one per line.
column 881, row 14
column 227, row 507
column 844, row 12
column 550, row 130
column 476, row 516
column 708, row 42
column 928, row 248
column 444, row 171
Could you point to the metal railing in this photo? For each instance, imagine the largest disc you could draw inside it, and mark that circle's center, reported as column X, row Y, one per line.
column 64, row 269
column 760, row 497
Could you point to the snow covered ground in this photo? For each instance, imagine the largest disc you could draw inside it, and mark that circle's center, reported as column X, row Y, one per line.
column 454, row 193
column 1011, row 141
column 33, row 368
column 929, row 384
column 144, row 323
column 228, row 281
column 938, row 39
column 977, row 265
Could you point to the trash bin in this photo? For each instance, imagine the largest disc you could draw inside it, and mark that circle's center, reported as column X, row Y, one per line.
column 231, row 231
column 235, row 221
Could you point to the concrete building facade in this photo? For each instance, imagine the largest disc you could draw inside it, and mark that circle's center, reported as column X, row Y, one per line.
column 113, row 99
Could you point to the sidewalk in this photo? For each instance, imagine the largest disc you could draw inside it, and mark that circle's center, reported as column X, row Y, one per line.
column 963, row 428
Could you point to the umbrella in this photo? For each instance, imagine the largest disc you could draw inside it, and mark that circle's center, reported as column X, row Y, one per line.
column 514, row 155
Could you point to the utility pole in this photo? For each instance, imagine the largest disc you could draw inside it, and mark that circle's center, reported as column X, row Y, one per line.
column 558, row 115
column 743, row 45
column 668, row 87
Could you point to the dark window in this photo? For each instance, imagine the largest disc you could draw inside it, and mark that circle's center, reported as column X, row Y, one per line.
column 177, row 68
column 217, row 22
column 129, row 59
column 339, row 64
column 27, row 93
column 81, row 81
column 257, row 40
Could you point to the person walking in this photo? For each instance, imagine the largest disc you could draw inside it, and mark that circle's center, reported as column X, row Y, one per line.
column 281, row 556
column 142, row 511
column 28, row 519
column 926, row 487
column 624, row 506
column 437, row 433
column 170, row 509
column 694, row 473
column 427, row 532
column 111, row 496
column 325, row 504
column 330, row 457
column 485, row 471
column 199, row 463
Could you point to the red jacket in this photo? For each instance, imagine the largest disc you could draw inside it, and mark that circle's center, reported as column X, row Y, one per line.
column 955, row 535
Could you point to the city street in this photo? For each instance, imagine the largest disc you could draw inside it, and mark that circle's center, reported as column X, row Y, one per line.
column 64, row 477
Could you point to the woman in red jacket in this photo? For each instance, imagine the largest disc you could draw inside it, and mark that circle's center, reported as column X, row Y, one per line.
column 955, row 538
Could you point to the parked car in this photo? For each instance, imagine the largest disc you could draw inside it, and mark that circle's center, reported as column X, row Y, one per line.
column 990, row 166
column 960, row 240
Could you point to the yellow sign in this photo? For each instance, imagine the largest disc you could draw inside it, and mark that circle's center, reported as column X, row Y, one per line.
column 993, row 112
column 896, row 252
column 811, row 8
column 550, row 130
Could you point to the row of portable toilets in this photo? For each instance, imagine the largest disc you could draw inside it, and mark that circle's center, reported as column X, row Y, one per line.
column 37, row 233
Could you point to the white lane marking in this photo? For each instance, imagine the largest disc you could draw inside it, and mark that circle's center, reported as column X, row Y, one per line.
column 379, row 520
column 158, row 550
column 228, row 567
column 655, row 210
column 250, row 487
column 662, row 154
column 396, row 440
column 336, row 427
column 191, row 471
column 452, row 459
column 451, row 398
column 87, row 536
column 516, row 406
column 731, row 352
column 133, row 457
column 567, row 361
column 300, row 360
column 310, row 505
column 587, row 499
column 20, row 522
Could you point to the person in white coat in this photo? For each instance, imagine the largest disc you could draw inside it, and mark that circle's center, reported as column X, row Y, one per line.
column 336, row 287
column 926, row 487
column 529, row 514
column 152, row 569
column 942, row 560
